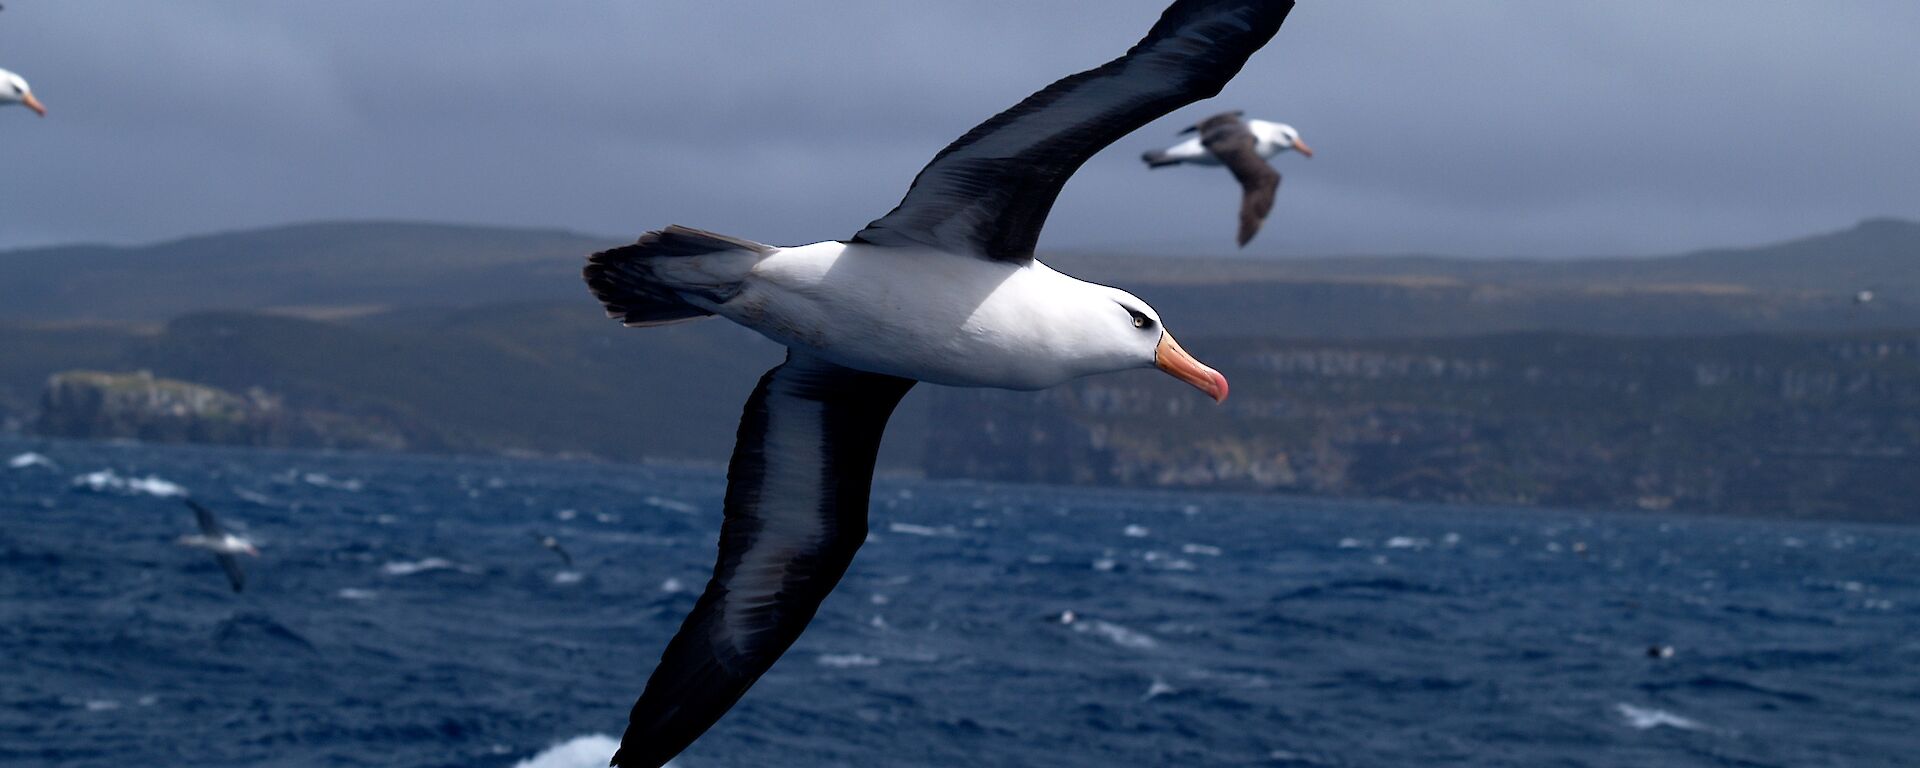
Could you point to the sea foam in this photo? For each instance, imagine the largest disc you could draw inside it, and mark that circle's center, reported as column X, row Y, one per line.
column 590, row 751
column 1645, row 718
column 106, row 481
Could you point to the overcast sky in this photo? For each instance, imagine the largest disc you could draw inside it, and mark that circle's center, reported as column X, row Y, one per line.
column 1479, row 127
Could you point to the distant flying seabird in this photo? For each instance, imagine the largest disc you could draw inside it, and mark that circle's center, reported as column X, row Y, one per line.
column 14, row 90
column 554, row 544
column 222, row 544
column 1243, row 146
column 943, row 289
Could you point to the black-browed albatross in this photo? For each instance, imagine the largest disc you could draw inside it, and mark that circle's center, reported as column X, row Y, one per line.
column 943, row 289
column 14, row 90
column 215, row 538
column 1243, row 146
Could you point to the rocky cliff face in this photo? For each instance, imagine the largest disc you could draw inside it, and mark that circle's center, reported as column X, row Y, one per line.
column 1751, row 425
column 95, row 405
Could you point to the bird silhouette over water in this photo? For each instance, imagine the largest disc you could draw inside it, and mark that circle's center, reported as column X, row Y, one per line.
column 224, row 545
column 553, row 544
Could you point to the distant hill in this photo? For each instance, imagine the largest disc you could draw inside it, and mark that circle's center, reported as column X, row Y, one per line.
column 332, row 270
column 1815, row 426
column 322, row 268
column 1878, row 254
column 1738, row 380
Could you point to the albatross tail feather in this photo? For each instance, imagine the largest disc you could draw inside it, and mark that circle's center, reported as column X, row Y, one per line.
column 650, row 282
column 1159, row 158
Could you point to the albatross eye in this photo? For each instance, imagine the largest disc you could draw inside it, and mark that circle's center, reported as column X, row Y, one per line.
column 1140, row 319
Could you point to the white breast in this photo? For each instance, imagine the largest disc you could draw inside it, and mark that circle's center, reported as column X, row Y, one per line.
column 925, row 315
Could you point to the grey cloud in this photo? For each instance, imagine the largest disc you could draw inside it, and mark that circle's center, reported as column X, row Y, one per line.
column 1471, row 126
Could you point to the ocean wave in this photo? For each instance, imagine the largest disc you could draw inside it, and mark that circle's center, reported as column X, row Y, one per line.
column 1647, row 718
column 847, row 660
column 671, row 505
column 107, row 481
column 1118, row 635
column 1157, row 689
column 590, row 751
column 945, row 531
column 321, row 480
column 411, row 567
column 30, row 459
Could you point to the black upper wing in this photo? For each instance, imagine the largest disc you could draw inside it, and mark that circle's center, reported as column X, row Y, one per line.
column 796, row 511
column 1230, row 140
column 989, row 192
column 1234, row 115
column 235, row 577
column 209, row 527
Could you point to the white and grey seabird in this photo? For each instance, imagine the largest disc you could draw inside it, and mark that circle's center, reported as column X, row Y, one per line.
column 224, row 545
column 14, row 90
column 943, row 289
column 553, row 543
column 1244, row 147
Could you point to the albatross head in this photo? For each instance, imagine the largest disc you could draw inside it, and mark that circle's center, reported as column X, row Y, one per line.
column 13, row 89
column 1129, row 335
column 1282, row 136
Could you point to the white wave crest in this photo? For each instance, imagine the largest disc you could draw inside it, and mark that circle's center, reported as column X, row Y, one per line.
column 911, row 529
column 847, row 660
column 107, row 481
column 30, row 459
column 590, row 751
column 405, row 568
column 322, row 480
column 1645, row 718
column 671, row 505
column 1119, row 635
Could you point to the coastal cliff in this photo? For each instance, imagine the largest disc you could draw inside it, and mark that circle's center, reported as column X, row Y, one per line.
column 1757, row 425
column 141, row 406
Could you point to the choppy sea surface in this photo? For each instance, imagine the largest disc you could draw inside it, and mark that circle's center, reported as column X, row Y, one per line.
column 403, row 613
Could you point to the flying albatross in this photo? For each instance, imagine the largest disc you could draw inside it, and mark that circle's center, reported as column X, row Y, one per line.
column 1243, row 146
column 215, row 538
column 14, row 90
column 553, row 543
column 943, row 289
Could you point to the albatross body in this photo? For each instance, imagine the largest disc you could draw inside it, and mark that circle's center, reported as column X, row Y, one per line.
column 943, row 289
column 923, row 314
column 1269, row 140
column 1244, row 147
column 14, row 90
column 213, row 537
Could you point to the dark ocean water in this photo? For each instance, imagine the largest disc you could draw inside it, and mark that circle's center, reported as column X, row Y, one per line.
column 402, row 614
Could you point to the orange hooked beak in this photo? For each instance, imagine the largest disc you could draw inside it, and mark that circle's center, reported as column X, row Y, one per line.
column 1302, row 148
column 33, row 104
column 1175, row 361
